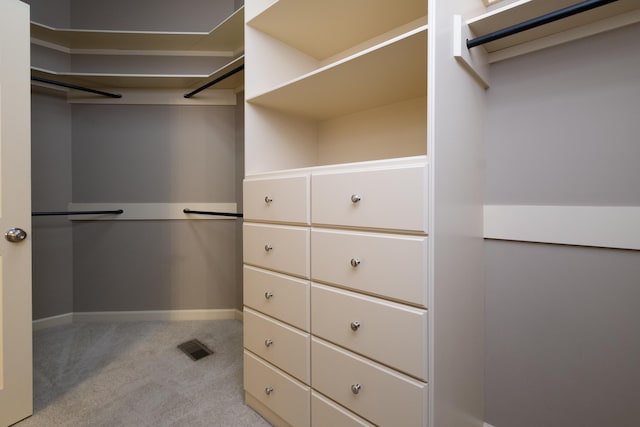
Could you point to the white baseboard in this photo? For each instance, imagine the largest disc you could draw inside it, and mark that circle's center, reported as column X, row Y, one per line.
column 49, row 322
column 128, row 316
column 487, row 425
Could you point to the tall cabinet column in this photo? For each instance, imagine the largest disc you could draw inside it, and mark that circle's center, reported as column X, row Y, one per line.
column 363, row 284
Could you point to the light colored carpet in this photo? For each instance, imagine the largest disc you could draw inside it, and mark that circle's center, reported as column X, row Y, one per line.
column 132, row 374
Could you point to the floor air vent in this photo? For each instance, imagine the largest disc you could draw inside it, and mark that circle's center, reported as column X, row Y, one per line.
column 195, row 349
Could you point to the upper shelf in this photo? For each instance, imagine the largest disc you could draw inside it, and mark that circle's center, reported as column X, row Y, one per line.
column 523, row 10
column 389, row 72
column 227, row 37
column 170, row 81
column 322, row 28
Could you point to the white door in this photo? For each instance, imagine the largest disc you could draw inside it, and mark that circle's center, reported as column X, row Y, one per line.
column 16, row 387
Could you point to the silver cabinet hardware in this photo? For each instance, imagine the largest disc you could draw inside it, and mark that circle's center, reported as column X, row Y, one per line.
column 355, row 198
column 15, row 235
column 268, row 295
column 268, row 199
column 355, row 326
column 355, row 389
column 268, row 390
column 355, row 262
column 268, row 247
column 268, row 342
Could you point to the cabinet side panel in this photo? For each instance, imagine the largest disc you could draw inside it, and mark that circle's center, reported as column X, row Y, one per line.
column 456, row 111
column 276, row 141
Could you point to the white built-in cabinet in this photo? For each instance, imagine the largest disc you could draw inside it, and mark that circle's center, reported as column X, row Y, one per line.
column 363, row 284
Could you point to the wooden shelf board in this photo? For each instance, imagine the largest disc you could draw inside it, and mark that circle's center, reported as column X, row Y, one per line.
column 524, row 10
column 226, row 37
column 387, row 73
column 322, row 28
column 232, row 82
column 166, row 81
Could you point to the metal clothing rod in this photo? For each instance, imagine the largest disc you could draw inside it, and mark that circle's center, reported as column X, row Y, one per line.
column 187, row 211
column 116, row 212
column 536, row 22
column 214, row 81
column 72, row 86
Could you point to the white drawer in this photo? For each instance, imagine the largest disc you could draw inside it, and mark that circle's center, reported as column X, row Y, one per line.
column 390, row 333
column 389, row 265
column 277, row 199
column 384, row 397
column 279, row 248
column 283, row 297
column 391, row 198
column 282, row 394
column 277, row 343
column 325, row 413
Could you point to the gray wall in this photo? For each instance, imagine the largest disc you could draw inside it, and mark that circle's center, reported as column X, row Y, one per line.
column 54, row 13
column 562, row 340
column 51, row 190
column 154, row 154
column 150, row 15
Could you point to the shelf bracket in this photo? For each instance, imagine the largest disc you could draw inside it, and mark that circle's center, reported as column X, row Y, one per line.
column 476, row 62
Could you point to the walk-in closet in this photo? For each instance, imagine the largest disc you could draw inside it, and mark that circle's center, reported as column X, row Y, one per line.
column 392, row 213
column 116, row 127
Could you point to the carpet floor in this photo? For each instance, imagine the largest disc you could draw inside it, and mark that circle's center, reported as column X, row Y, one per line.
column 133, row 374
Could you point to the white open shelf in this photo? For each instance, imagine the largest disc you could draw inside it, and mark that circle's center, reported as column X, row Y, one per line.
column 107, row 80
column 523, row 10
column 322, row 28
column 225, row 39
column 390, row 72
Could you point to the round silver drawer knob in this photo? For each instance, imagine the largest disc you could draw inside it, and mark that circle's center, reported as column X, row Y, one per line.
column 355, row 389
column 268, row 295
column 15, row 235
column 268, row 342
column 268, row 247
column 355, row 262
column 268, row 199
column 355, row 198
column 268, row 390
column 355, row 326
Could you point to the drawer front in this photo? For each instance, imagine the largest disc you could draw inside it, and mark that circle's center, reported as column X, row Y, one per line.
column 277, row 343
column 383, row 198
column 390, row 333
column 377, row 393
column 327, row 413
column 282, row 394
column 386, row 265
column 277, row 200
column 283, row 297
column 279, row 248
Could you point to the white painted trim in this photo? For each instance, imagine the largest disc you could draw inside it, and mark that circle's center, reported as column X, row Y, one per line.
column 598, row 226
column 487, row 425
column 474, row 61
column 125, row 52
column 152, row 211
column 154, row 96
column 156, row 315
column 127, row 316
column 577, row 33
column 49, row 322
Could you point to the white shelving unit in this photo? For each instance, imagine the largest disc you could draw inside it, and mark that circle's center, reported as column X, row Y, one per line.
column 362, row 202
column 225, row 40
